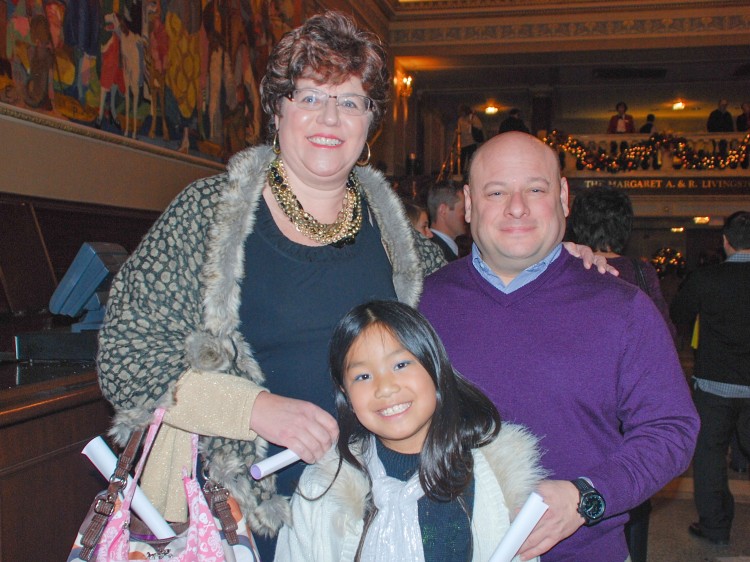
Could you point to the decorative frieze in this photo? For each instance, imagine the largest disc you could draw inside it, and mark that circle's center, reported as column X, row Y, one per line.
column 433, row 33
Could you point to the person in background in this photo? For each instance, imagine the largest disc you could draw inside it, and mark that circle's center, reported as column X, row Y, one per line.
column 430, row 255
column 718, row 294
column 602, row 218
column 445, row 203
column 513, row 122
column 743, row 119
column 423, row 469
column 583, row 360
column 224, row 312
column 418, row 218
column 468, row 120
column 648, row 127
column 720, row 120
column 621, row 122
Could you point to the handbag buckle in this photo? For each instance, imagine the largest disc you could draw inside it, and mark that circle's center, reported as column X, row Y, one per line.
column 104, row 505
column 218, row 496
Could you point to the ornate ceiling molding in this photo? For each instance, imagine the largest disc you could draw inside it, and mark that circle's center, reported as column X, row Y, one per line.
column 593, row 27
column 450, row 8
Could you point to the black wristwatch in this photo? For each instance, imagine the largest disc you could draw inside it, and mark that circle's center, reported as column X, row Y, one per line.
column 591, row 505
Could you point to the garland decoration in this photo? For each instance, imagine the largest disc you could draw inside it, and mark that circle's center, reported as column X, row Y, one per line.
column 650, row 153
column 668, row 260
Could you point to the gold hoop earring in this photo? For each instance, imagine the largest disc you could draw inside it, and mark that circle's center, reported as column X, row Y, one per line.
column 366, row 161
column 276, row 146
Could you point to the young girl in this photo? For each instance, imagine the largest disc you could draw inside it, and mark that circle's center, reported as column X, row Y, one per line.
column 422, row 469
column 418, row 218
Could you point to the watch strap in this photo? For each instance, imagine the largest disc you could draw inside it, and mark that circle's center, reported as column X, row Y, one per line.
column 583, row 484
column 587, row 491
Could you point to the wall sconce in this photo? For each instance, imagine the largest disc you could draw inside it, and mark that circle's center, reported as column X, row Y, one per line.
column 679, row 105
column 701, row 220
column 491, row 110
column 404, row 87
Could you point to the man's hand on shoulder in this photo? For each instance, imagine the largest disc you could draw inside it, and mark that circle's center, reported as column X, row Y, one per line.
column 559, row 522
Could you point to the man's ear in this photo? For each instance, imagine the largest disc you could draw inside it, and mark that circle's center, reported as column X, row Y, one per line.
column 728, row 250
column 564, row 196
column 467, row 203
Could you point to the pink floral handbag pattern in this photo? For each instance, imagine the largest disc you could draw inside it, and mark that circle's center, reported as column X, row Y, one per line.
column 201, row 542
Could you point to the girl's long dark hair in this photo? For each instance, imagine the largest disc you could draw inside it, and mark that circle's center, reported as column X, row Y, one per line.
column 464, row 417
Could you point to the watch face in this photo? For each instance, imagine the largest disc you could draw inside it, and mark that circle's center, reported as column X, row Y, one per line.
column 593, row 506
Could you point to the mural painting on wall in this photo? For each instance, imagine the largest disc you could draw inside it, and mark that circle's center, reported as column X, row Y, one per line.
column 179, row 74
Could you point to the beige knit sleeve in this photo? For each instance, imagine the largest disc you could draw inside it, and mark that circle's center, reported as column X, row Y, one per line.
column 206, row 403
column 214, row 404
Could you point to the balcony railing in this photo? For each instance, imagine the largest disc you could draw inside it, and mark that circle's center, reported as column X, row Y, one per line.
column 695, row 160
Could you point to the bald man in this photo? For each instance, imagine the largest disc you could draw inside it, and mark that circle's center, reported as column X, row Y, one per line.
column 584, row 360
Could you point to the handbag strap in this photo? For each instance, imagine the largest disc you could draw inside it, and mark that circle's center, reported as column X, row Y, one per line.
column 153, row 429
column 216, row 494
column 640, row 277
column 104, row 503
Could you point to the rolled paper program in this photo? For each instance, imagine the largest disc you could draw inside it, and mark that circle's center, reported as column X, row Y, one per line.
column 105, row 461
column 273, row 463
column 520, row 529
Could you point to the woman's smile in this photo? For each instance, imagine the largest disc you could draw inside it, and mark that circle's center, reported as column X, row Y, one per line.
column 326, row 141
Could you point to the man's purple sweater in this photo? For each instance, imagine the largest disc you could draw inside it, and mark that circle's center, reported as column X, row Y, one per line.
column 586, row 362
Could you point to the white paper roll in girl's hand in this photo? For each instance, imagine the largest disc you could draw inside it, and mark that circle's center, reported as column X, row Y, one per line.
column 520, row 529
column 106, row 462
column 273, row 463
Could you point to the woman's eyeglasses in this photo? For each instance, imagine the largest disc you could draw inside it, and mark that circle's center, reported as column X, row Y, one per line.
column 311, row 99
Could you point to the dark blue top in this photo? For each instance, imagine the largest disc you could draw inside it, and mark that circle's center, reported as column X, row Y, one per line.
column 293, row 296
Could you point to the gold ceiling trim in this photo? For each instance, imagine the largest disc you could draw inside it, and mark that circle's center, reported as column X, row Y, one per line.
column 415, row 7
column 428, row 33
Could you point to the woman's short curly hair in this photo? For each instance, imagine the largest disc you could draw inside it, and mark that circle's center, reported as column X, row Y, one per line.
column 601, row 217
column 328, row 48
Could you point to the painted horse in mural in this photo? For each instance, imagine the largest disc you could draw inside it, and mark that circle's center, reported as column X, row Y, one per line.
column 132, row 63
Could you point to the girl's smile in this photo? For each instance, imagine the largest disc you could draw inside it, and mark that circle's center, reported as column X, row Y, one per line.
column 395, row 410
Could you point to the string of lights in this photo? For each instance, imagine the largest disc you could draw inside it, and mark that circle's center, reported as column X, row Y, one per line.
column 650, row 153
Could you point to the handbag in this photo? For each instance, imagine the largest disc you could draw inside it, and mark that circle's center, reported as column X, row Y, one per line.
column 640, row 277
column 111, row 533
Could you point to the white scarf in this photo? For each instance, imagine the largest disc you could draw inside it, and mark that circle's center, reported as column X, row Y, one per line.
column 394, row 534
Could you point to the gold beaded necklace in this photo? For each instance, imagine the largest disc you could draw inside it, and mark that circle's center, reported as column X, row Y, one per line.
column 348, row 222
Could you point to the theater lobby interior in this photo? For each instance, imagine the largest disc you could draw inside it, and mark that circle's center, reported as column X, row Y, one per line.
column 71, row 174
